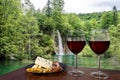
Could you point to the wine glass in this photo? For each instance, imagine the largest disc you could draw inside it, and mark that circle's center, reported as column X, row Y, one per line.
column 76, row 42
column 99, row 43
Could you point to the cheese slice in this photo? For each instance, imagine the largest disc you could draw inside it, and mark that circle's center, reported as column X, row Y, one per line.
column 43, row 62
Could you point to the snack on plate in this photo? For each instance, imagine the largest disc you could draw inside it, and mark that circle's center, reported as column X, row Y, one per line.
column 44, row 66
column 43, row 62
column 38, row 70
column 56, row 67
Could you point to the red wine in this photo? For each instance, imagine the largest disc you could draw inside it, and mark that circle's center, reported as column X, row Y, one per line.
column 76, row 46
column 99, row 47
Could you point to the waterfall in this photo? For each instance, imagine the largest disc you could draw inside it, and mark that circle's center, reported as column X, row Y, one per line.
column 60, row 46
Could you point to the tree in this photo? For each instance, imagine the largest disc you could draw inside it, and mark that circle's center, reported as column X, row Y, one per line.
column 16, row 29
column 9, row 29
column 28, row 7
column 115, row 16
column 53, row 18
column 48, row 8
column 57, row 8
column 57, row 5
column 106, row 20
column 74, row 21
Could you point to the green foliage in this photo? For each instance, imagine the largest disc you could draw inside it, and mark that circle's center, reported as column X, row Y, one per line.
column 27, row 33
column 115, row 16
column 74, row 21
column 49, row 25
column 17, row 31
column 87, row 52
column 21, row 56
column 106, row 20
column 10, row 27
column 57, row 5
column 115, row 37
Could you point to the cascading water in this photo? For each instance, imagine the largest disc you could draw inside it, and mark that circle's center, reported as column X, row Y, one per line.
column 60, row 51
column 60, row 46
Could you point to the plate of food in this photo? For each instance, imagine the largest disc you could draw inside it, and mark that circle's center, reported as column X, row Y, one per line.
column 43, row 66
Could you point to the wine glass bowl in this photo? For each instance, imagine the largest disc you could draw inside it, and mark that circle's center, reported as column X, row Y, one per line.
column 76, row 43
column 99, row 47
column 76, row 46
column 99, row 43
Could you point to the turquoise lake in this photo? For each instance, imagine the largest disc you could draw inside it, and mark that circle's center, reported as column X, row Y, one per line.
column 89, row 62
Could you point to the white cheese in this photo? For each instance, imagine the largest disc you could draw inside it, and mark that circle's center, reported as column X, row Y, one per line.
column 43, row 62
column 34, row 66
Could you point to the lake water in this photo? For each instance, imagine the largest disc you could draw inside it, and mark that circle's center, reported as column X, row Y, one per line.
column 90, row 62
column 8, row 66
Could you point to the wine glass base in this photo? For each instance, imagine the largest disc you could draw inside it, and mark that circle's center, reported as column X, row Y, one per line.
column 99, row 75
column 76, row 73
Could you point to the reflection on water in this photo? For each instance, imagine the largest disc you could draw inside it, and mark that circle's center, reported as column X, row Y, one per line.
column 8, row 66
column 90, row 62
column 66, row 59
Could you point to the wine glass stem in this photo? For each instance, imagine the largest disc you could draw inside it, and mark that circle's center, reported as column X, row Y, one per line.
column 98, row 64
column 76, row 61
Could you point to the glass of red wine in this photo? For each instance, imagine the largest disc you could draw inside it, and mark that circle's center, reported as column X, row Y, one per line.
column 99, row 43
column 76, row 42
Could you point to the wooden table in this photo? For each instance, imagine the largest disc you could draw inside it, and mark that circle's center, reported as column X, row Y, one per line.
column 21, row 74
